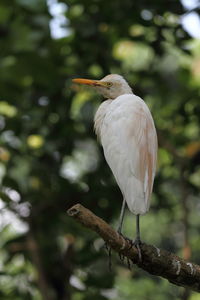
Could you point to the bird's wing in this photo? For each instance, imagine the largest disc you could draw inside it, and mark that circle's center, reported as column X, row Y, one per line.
column 129, row 141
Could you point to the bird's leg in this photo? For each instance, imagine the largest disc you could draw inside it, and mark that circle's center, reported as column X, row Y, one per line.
column 137, row 241
column 121, row 218
column 119, row 230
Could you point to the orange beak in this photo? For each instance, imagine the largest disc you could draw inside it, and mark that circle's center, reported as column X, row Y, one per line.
column 88, row 82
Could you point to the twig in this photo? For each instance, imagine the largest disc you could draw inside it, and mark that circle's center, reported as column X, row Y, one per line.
column 154, row 260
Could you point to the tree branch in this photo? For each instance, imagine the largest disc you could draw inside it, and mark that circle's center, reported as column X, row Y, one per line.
column 154, row 260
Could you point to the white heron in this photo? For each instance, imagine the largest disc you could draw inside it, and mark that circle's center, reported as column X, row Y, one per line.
column 125, row 128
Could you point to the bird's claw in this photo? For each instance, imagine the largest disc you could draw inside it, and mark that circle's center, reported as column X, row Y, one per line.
column 124, row 237
column 121, row 256
column 137, row 243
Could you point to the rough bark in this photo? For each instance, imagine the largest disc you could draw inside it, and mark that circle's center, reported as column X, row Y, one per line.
column 156, row 261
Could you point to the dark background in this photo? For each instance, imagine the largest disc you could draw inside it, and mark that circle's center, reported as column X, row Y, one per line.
column 49, row 157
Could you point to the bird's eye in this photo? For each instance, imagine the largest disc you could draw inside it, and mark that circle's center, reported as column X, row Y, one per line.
column 109, row 84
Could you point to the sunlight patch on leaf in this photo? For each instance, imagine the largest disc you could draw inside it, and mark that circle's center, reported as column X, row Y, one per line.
column 192, row 130
column 164, row 157
column 134, row 55
column 95, row 70
column 35, row 141
column 7, row 110
column 78, row 101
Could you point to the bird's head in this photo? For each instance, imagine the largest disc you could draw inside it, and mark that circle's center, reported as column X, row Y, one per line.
column 111, row 86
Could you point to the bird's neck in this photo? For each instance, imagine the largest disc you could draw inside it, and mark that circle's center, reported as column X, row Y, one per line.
column 126, row 90
column 102, row 110
column 122, row 91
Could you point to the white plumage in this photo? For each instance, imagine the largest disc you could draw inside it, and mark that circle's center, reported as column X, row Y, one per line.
column 129, row 141
column 127, row 133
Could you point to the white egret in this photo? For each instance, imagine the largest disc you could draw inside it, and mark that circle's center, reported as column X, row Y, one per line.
column 127, row 133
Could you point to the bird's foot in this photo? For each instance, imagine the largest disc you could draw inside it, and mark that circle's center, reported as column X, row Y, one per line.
column 124, row 237
column 137, row 243
column 121, row 256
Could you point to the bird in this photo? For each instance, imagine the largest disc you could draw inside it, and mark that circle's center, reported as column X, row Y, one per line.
column 125, row 128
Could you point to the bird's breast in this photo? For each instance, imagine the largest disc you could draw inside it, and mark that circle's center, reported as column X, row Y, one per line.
column 100, row 116
column 111, row 111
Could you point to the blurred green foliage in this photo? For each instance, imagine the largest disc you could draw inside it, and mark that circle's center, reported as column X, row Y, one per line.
column 49, row 157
